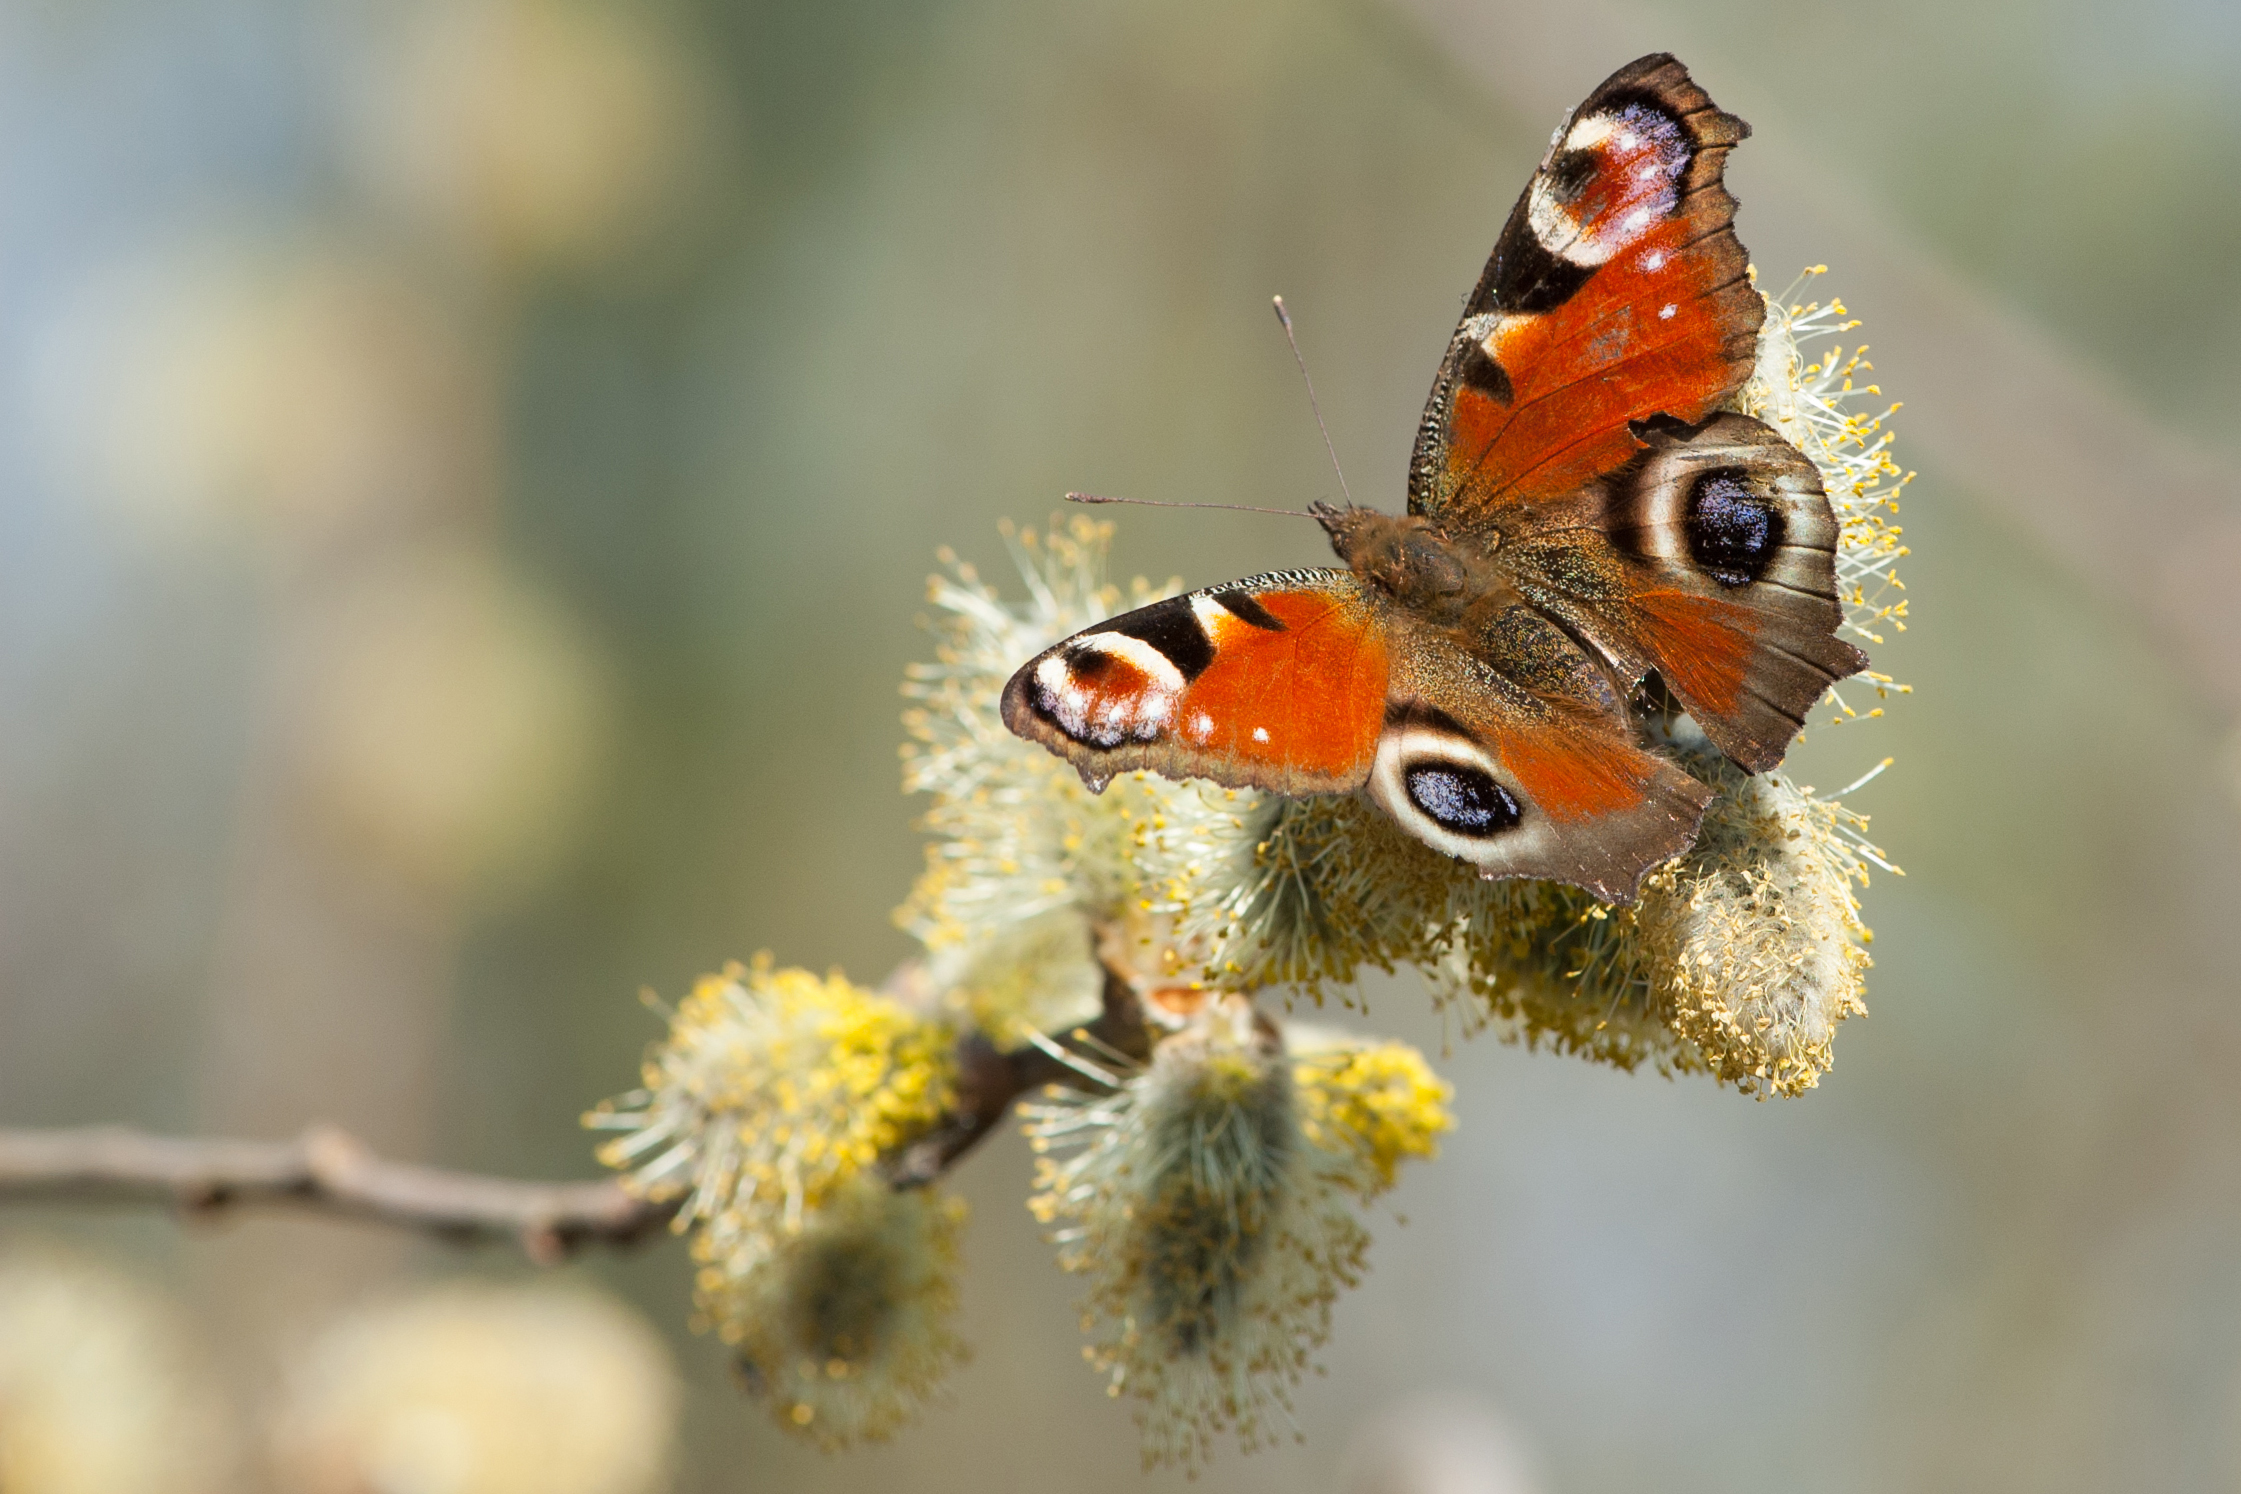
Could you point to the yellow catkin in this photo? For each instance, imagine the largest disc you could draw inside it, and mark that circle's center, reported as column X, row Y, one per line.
column 773, row 1087
column 1213, row 1234
column 1379, row 1103
column 1753, row 944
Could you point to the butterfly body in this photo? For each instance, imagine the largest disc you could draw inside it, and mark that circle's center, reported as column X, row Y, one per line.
column 1582, row 516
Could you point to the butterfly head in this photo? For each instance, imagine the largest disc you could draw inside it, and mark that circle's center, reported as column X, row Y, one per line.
column 1402, row 553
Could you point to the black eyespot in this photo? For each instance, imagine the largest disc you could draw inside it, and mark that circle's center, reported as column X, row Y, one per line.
column 1461, row 799
column 1569, row 174
column 1733, row 532
column 1086, row 662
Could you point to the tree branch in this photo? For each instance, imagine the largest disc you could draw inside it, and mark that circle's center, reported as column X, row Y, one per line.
column 989, row 1079
column 324, row 1170
column 330, row 1172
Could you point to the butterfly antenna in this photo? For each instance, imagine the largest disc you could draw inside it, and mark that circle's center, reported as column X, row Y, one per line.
column 1235, row 508
column 1285, row 317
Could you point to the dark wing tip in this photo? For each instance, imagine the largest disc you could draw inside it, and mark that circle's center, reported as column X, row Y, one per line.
column 1018, row 717
column 1667, row 77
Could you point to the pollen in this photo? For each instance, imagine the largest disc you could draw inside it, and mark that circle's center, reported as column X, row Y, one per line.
column 1378, row 1102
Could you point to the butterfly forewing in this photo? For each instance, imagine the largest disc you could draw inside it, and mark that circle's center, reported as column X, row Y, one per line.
column 1276, row 682
column 1616, row 292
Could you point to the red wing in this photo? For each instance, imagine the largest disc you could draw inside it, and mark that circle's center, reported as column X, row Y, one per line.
column 1516, row 755
column 1277, row 682
column 1616, row 292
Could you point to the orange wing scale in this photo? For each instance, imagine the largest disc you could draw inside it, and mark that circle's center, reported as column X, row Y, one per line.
column 1306, row 702
column 1626, row 346
column 1708, row 645
column 1574, row 777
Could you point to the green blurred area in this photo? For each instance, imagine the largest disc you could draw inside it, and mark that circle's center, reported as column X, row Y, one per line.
column 475, row 473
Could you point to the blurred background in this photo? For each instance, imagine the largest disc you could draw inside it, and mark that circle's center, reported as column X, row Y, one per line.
column 467, row 476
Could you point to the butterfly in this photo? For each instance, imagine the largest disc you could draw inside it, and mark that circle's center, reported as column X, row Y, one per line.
column 1587, row 529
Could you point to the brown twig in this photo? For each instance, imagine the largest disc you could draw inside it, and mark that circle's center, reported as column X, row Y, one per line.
column 324, row 1170
column 331, row 1172
column 988, row 1080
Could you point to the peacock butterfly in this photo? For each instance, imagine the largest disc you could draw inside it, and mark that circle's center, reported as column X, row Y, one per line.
column 1582, row 514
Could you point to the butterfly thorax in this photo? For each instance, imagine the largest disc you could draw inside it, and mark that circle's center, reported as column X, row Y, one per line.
column 1411, row 561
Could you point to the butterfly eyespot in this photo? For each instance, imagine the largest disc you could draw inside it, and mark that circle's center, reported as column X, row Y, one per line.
column 1732, row 530
column 1104, row 690
column 1460, row 798
column 1569, row 174
column 1086, row 663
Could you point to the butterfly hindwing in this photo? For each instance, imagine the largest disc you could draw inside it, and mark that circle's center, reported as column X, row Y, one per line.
column 1513, row 751
column 1616, row 292
column 1710, row 558
column 1276, row 682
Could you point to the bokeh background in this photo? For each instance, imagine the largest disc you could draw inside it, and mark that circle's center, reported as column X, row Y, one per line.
column 467, row 474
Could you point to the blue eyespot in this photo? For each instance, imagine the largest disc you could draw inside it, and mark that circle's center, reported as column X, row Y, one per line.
column 1460, row 798
column 1733, row 532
